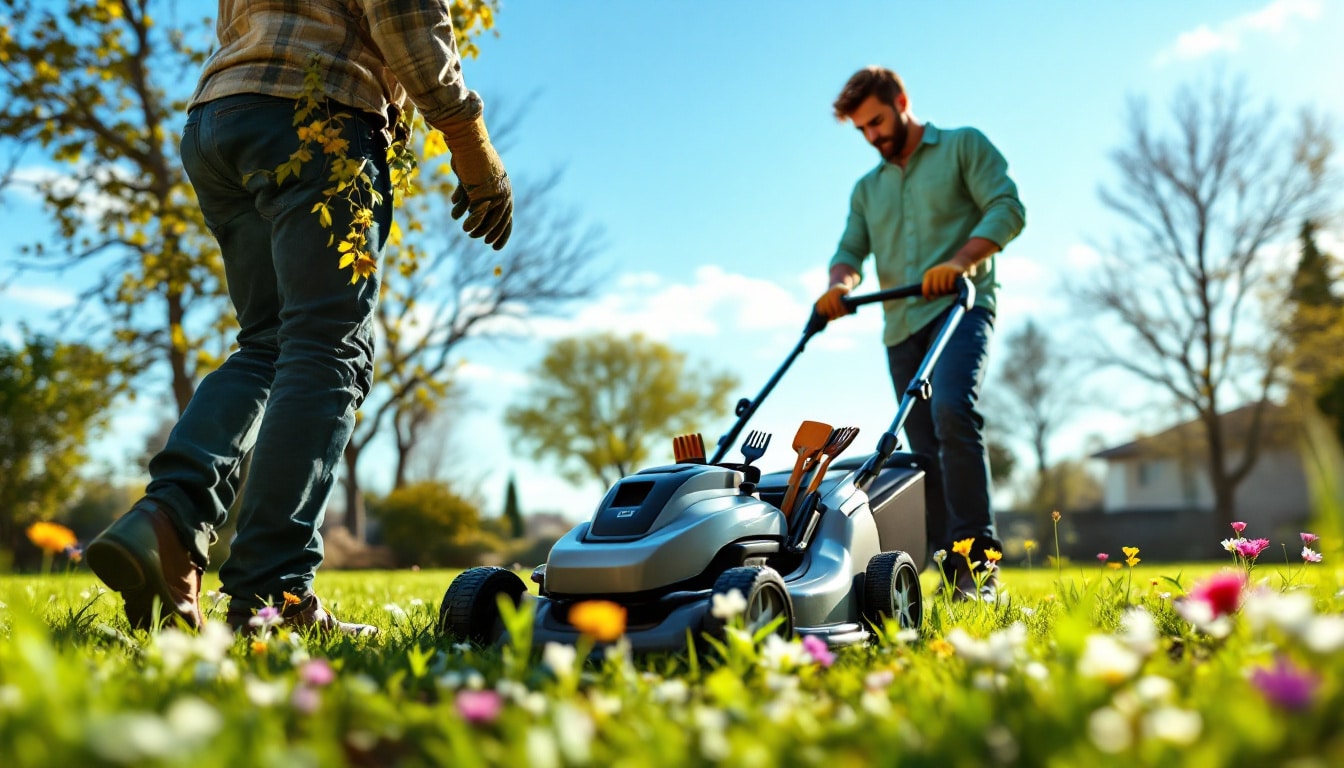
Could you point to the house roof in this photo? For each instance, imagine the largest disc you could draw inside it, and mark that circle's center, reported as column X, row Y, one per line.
column 1275, row 429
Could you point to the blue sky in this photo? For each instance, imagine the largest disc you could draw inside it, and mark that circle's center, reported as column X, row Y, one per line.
column 700, row 139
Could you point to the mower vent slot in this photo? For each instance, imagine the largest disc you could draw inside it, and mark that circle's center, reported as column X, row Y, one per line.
column 630, row 494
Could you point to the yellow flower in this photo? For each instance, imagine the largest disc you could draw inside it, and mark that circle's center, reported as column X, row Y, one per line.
column 1029, row 544
column 993, row 555
column 1113, row 566
column 1133, row 561
column 942, row 649
column 963, row 547
column 52, row 538
column 601, row 620
column 1131, row 555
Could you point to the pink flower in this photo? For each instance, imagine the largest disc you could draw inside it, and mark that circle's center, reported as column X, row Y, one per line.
column 818, row 650
column 1285, row 685
column 479, row 707
column 1251, row 548
column 1309, row 538
column 269, row 616
column 1311, row 556
column 1221, row 592
column 316, row 673
column 1103, row 557
column 1238, row 527
column 305, row 699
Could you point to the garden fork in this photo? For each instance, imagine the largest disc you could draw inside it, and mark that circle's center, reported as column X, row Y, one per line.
column 835, row 445
column 754, row 447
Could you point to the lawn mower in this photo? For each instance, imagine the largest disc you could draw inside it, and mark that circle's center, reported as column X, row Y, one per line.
column 831, row 548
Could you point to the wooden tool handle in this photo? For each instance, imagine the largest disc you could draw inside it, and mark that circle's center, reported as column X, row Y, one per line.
column 795, row 480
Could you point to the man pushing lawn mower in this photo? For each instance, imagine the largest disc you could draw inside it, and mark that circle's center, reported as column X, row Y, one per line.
column 939, row 206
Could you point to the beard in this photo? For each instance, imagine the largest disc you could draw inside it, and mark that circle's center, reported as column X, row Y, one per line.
column 890, row 146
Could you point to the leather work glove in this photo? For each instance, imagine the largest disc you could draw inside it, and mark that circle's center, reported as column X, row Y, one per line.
column 483, row 192
column 942, row 279
column 830, row 305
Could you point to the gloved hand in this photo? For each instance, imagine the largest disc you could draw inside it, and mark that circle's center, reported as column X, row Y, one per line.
column 942, row 279
column 483, row 192
column 830, row 305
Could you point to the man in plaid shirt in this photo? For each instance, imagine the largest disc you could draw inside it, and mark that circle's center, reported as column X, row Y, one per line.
column 305, row 354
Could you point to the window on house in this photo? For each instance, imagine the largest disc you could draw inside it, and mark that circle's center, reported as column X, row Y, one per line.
column 1145, row 471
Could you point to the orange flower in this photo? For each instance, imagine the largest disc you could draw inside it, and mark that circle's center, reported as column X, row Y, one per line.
column 993, row 555
column 291, row 599
column 51, row 538
column 1055, row 515
column 258, row 647
column 963, row 547
column 601, row 620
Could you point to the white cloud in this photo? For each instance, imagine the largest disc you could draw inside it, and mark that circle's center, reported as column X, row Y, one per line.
column 42, row 298
column 1278, row 19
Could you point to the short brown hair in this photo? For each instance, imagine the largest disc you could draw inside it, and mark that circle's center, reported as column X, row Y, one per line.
column 869, row 81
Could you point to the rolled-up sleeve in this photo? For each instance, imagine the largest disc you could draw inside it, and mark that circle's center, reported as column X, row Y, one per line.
column 417, row 43
column 985, row 172
column 854, row 242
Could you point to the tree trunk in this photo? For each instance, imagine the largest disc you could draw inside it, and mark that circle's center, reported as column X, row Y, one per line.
column 183, row 387
column 354, row 500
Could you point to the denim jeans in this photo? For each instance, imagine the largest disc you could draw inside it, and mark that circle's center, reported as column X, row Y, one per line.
column 949, row 428
column 304, row 362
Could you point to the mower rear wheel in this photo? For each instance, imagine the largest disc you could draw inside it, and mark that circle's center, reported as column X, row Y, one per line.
column 470, row 609
column 891, row 590
column 767, row 600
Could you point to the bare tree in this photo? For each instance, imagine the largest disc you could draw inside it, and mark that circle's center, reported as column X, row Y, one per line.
column 1034, row 394
column 1206, row 200
column 426, row 314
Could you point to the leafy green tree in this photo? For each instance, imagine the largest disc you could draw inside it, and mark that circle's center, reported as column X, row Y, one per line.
column 427, row 524
column 95, row 87
column 53, row 398
column 1316, row 329
column 513, row 514
column 597, row 404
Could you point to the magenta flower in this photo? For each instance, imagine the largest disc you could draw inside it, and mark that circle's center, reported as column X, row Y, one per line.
column 1286, row 685
column 1310, row 555
column 1251, row 548
column 1103, row 557
column 268, row 616
column 1238, row 527
column 1309, row 538
column 317, row 673
column 1221, row 592
column 479, row 707
column 818, row 650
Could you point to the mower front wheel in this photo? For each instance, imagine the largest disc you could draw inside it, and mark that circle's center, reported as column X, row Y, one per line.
column 891, row 590
column 766, row 596
column 470, row 609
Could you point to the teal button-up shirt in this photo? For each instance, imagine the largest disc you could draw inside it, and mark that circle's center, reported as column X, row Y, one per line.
column 954, row 187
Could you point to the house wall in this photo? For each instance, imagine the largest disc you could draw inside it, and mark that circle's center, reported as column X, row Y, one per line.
column 1273, row 496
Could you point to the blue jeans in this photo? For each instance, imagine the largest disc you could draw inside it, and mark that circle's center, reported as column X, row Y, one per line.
column 949, row 428
column 305, row 356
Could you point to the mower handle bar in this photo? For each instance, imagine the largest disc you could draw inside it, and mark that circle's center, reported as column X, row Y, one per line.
column 816, row 324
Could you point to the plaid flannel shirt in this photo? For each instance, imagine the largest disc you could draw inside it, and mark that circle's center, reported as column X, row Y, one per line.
column 373, row 55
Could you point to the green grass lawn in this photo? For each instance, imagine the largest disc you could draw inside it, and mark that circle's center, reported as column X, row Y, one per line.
column 1083, row 666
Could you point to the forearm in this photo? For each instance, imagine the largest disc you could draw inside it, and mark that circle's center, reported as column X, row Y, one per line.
column 976, row 250
column 843, row 274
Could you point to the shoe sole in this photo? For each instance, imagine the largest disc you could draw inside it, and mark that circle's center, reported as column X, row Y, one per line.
column 140, row 586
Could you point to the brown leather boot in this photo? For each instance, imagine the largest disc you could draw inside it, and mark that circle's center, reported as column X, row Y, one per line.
column 305, row 614
column 141, row 556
